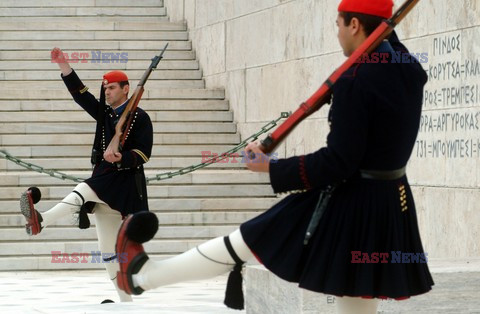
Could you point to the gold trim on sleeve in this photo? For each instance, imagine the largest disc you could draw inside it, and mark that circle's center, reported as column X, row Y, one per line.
column 141, row 154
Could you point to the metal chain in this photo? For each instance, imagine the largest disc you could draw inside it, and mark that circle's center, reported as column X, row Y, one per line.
column 158, row 177
column 32, row 167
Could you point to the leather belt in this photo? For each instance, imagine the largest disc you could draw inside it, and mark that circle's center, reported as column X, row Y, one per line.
column 383, row 174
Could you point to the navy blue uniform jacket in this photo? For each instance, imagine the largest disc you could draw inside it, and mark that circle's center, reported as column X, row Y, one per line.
column 116, row 184
column 374, row 120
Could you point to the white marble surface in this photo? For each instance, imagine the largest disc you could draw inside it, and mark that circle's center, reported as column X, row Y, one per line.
column 82, row 292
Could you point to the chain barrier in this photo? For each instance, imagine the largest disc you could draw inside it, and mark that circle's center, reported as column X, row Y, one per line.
column 159, row 177
column 32, row 167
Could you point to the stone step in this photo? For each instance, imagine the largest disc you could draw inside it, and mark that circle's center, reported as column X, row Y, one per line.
column 83, row 11
column 84, row 139
column 81, row 116
column 83, row 3
column 77, row 22
column 78, row 127
column 93, row 77
column 73, row 233
column 84, row 150
column 157, row 163
column 162, row 205
column 87, row 55
column 93, row 35
column 100, row 65
column 168, row 191
column 284, row 297
column 86, row 24
column 56, row 94
column 165, row 219
column 95, row 45
column 55, row 105
column 151, row 84
column 202, row 176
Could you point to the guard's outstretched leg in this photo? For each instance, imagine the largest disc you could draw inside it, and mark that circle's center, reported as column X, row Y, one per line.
column 32, row 216
column 212, row 258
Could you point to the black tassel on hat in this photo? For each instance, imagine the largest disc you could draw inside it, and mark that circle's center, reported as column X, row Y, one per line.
column 234, row 294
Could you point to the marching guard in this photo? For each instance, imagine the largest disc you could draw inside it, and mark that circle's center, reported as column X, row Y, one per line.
column 358, row 181
column 117, row 186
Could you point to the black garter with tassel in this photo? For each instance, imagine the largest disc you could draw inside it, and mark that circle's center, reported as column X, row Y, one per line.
column 234, row 294
column 86, row 208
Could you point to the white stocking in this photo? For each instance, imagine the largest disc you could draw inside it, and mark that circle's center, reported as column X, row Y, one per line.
column 70, row 205
column 349, row 305
column 208, row 260
column 108, row 222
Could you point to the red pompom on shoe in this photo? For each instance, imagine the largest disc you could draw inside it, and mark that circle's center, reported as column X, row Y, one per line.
column 130, row 253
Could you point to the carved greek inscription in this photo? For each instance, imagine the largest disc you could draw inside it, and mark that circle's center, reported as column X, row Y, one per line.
column 450, row 123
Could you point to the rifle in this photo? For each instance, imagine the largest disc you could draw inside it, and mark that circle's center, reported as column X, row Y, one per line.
column 322, row 95
column 123, row 124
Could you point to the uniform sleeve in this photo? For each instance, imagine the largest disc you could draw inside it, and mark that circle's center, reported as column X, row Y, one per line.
column 141, row 135
column 346, row 144
column 395, row 43
column 81, row 95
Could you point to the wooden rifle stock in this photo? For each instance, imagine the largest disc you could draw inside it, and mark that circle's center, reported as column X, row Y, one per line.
column 322, row 95
column 125, row 121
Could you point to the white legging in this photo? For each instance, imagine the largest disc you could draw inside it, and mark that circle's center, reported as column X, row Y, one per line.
column 107, row 221
column 208, row 260
column 211, row 259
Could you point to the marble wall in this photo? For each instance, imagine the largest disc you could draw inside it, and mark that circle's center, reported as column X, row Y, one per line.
column 270, row 55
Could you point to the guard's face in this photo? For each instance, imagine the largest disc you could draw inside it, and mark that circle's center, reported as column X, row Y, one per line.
column 344, row 36
column 115, row 95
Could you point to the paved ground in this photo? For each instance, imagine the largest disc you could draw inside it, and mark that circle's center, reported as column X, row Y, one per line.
column 456, row 290
column 82, row 292
column 457, row 293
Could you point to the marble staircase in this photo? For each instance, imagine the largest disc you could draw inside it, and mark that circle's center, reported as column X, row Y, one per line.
column 40, row 123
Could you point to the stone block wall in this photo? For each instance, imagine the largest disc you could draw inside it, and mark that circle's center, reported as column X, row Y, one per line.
column 270, row 55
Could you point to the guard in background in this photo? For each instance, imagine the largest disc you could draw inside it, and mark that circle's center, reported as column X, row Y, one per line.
column 117, row 186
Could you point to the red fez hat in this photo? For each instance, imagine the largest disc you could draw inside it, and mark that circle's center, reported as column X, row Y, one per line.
column 114, row 76
column 382, row 8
